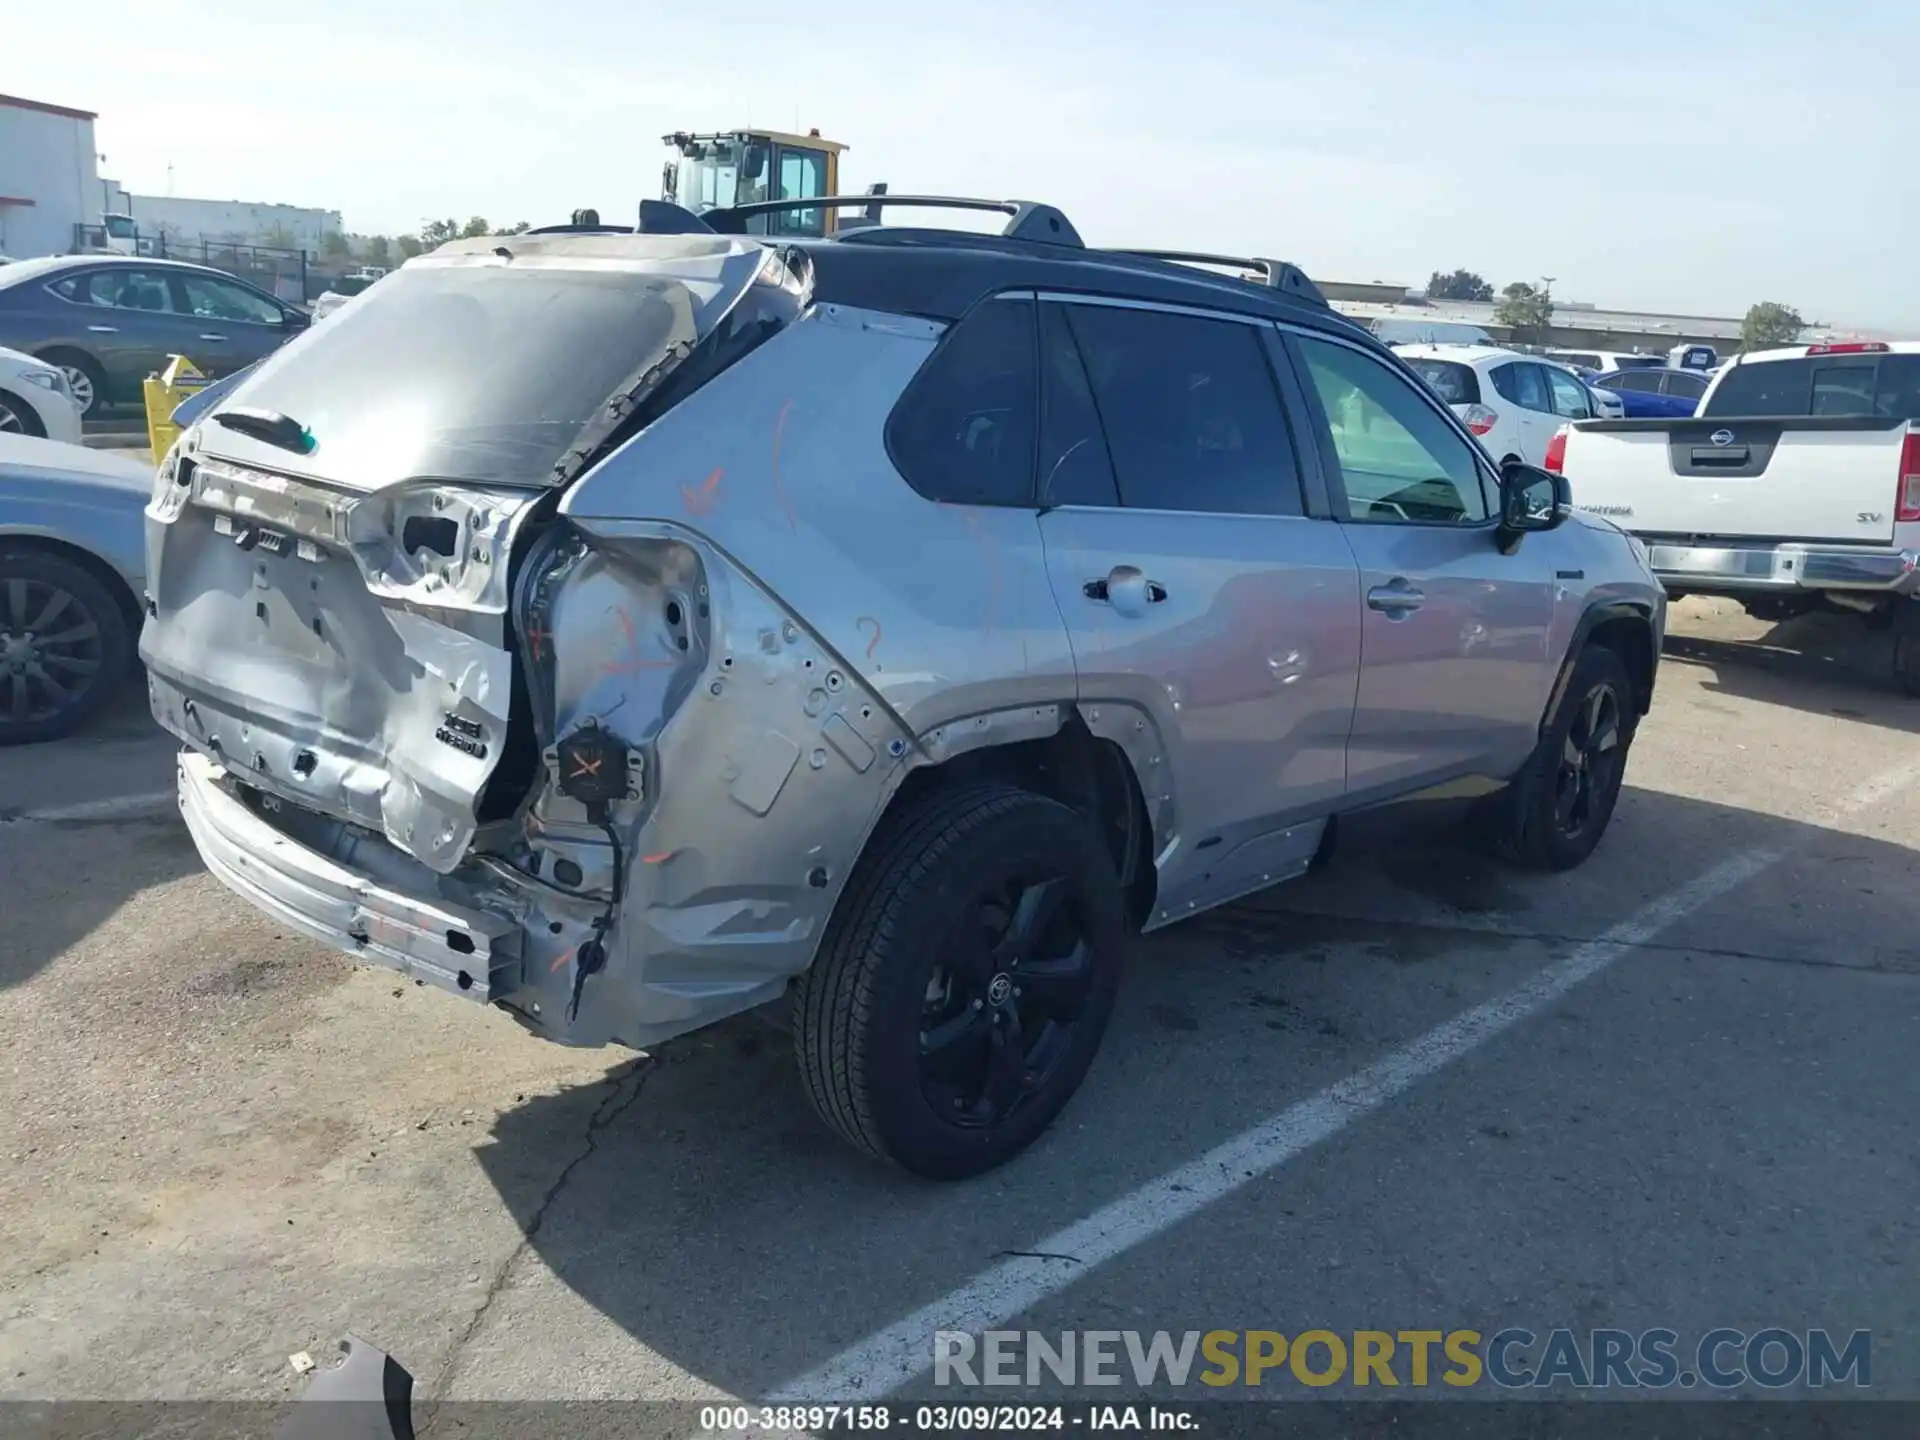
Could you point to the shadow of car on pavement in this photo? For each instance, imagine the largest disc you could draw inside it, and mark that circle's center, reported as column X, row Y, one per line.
column 718, row 1222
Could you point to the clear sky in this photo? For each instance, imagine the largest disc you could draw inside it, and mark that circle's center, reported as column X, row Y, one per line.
column 1685, row 155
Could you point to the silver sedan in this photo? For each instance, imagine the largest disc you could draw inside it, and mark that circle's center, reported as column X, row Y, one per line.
column 72, row 574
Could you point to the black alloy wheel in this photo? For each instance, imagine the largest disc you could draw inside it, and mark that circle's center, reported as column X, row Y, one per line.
column 1005, row 999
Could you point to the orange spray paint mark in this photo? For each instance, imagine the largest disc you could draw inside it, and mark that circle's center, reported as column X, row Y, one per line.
column 655, row 859
column 635, row 662
column 869, row 620
column 701, row 500
column 779, row 490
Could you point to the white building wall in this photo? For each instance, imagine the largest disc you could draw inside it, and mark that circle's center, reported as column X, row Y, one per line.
column 231, row 222
column 47, row 158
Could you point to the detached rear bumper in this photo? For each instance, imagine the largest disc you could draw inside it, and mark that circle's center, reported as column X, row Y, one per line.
column 464, row 950
column 1785, row 567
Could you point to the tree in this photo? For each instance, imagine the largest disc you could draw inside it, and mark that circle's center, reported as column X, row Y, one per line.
column 1460, row 285
column 376, row 250
column 278, row 236
column 436, row 233
column 335, row 248
column 1527, row 312
column 475, row 228
column 409, row 246
column 1770, row 324
column 519, row 227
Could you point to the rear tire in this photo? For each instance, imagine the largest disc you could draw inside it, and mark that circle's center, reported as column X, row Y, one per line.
column 17, row 417
column 964, row 982
column 1906, row 645
column 80, row 653
column 1553, row 814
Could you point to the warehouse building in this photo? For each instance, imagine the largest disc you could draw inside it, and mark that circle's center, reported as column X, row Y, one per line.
column 49, row 180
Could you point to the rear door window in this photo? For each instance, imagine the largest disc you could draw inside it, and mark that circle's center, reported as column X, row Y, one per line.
column 1685, row 384
column 964, row 431
column 1075, row 468
column 1642, row 380
column 1524, row 385
column 1772, row 387
column 1191, row 413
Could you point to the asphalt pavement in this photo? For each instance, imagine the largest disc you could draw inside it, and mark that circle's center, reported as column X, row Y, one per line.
column 1674, row 1089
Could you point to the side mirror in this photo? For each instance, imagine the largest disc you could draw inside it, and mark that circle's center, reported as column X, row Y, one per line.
column 291, row 319
column 1531, row 499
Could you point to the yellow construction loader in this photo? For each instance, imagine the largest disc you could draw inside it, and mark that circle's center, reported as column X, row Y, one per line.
column 742, row 167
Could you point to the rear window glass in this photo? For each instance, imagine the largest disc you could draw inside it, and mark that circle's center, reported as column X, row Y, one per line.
column 1897, row 390
column 483, row 374
column 1453, row 382
column 1772, row 387
column 1821, row 385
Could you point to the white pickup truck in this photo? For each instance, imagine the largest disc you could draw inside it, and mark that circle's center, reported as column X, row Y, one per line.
column 1795, row 485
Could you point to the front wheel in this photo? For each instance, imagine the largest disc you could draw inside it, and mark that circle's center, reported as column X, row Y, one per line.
column 964, row 982
column 1553, row 814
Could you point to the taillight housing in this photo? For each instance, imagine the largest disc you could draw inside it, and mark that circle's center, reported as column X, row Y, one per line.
column 1906, row 503
column 1479, row 419
column 1557, row 451
column 1850, row 347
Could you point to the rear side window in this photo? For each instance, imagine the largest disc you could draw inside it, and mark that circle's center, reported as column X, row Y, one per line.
column 1191, row 414
column 1686, row 385
column 1454, row 383
column 1772, row 387
column 964, row 431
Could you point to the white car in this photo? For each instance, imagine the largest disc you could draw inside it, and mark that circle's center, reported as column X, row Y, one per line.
column 1515, row 403
column 34, row 399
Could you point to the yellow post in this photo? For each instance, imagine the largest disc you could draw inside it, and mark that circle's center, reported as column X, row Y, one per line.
column 164, row 393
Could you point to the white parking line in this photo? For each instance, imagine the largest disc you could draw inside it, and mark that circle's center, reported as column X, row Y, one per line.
column 892, row 1356
column 114, row 807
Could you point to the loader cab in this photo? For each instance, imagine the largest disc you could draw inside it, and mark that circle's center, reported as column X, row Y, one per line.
column 741, row 166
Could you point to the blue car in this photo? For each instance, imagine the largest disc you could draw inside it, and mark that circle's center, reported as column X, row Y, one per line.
column 1651, row 391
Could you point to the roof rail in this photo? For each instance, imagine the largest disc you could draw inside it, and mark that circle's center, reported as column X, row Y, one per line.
column 1275, row 274
column 1027, row 219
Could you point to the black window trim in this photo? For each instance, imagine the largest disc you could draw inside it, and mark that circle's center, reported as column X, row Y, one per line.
column 1316, row 503
column 1330, row 457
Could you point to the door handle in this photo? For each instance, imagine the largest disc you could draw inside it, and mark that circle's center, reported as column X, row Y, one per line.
column 216, row 339
column 1396, row 599
column 1126, row 588
column 104, row 329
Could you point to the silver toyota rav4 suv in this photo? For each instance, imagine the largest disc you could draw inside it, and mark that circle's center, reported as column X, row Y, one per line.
column 630, row 630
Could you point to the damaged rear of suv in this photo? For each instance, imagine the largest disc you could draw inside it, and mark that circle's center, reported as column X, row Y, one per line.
column 633, row 630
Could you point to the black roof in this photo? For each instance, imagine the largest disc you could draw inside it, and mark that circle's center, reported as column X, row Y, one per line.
column 941, row 274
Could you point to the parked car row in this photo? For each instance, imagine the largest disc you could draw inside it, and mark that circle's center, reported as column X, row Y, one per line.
column 1512, row 402
column 108, row 322
column 1797, row 484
